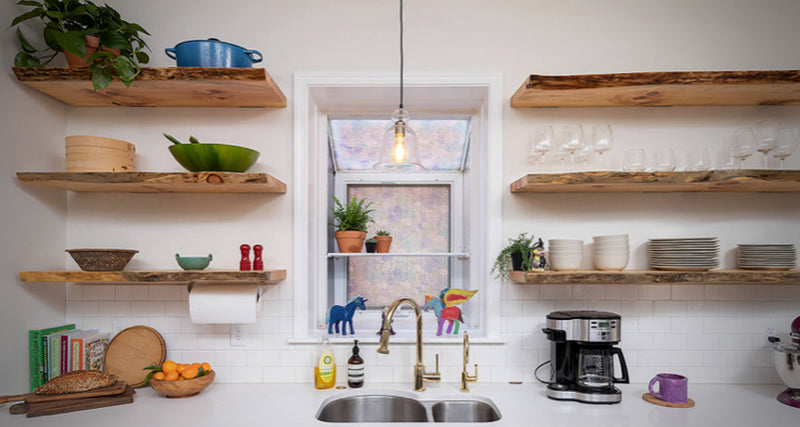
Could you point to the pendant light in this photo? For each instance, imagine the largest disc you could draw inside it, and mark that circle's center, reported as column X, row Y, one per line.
column 399, row 150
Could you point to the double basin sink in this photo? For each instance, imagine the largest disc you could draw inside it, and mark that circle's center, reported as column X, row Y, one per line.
column 395, row 407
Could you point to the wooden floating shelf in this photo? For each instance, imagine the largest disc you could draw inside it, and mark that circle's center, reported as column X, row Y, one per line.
column 159, row 87
column 154, row 276
column 661, row 89
column 649, row 277
column 156, row 182
column 745, row 180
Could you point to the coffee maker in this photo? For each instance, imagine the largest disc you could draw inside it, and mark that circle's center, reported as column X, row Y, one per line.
column 581, row 356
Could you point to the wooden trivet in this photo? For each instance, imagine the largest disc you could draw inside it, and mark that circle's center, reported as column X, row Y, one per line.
column 655, row 401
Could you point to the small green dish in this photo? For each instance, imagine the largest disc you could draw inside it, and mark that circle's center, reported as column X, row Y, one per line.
column 214, row 157
column 193, row 262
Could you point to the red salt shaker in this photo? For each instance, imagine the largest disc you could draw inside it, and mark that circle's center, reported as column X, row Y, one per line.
column 244, row 264
column 258, row 263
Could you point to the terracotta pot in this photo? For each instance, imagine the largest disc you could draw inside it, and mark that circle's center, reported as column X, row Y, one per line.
column 92, row 43
column 383, row 244
column 350, row 241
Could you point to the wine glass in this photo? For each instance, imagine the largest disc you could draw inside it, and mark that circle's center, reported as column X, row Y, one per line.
column 542, row 140
column 584, row 156
column 664, row 160
column 572, row 140
column 698, row 160
column 787, row 143
column 602, row 140
column 744, row 144
column 634, row 160
column 767, row 132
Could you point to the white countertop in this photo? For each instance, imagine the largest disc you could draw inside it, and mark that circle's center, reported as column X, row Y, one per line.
column 283, row 405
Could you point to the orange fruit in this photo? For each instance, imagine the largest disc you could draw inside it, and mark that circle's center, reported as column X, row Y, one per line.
column 196, row 365
column 181, row 367
column 171, row 376
column 169, row 366
column 206, row 366
column 189, row 373
column 159, row 376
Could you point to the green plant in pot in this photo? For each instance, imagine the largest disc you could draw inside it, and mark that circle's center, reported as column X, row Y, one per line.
column 84, row 31
column 384, row 241
column 370, row 245
column 522, row 253
column 351, row 221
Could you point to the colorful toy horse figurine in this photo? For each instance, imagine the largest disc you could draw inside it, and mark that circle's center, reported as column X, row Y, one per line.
column 445, row 308
column 337, row 314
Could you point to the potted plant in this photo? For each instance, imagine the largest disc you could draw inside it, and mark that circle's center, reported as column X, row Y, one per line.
column 384, row 241
column 351, row 221
column 522, row 253
column 84, row 31
column 370, row 245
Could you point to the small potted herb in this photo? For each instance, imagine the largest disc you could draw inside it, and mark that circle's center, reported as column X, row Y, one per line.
column 351, row 223
column 370, row 245
column 522, row 253
column 384, row 241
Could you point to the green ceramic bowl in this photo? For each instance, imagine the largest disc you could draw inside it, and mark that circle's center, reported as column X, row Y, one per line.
column 193, row 262
column 213, row 157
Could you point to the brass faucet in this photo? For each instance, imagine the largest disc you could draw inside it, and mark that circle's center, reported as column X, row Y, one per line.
column 420, row 376
column 465, row 377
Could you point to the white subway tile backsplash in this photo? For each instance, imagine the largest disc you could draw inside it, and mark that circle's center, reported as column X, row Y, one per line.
column 622, row 292
column 784, row 292
column 702, row 308
column 521, row 292
column 721, row 292
column 176, row 308
column 188, row 327
column 686, row 358
column 588, row 292
column 164, row 292
column 654, row 324
column 736, row 308
column 278, row 374
column 114, row 308
column 755, row 292
column 736, row 341
column 688, row 292
column 131, row 292
column 511, row 308
column 249, row 374
column 147, row 308
column 654, row 292
column 98, row 292
column 685, row 325
column 669, row 308
column 636, row 309
column 556, row 292
column 212, row 341
column 537, row 308
column 702, row 341
column 737, row 375
column 82, row 308
column 266, row 358
column 230, row 358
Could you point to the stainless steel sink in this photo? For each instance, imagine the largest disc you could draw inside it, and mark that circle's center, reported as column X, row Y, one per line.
column 389, row 408
column 464, row 411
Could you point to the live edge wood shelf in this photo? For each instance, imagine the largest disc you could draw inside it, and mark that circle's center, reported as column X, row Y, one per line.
column 159, row 87
column 263, row 277
column 649, row 277
column 750, row 180
column 156, row 182
column 661, row 89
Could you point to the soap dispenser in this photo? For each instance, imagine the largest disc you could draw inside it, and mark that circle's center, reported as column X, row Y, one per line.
column 325, row 371
column 355, row 368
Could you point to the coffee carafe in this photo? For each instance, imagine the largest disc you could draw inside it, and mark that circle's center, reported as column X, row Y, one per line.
column 582, row 356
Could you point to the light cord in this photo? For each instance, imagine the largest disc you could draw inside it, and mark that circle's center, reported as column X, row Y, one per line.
column 401, row 53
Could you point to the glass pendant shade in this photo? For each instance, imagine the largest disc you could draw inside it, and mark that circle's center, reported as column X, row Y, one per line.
column 399, row 149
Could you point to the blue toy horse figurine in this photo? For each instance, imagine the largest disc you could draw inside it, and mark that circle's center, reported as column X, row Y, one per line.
column 337, row 314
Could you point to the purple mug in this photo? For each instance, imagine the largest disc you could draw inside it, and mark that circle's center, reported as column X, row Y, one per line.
column 671, row 388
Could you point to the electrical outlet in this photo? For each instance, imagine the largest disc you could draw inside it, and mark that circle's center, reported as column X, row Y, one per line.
column 770, row 333
column 238, row 335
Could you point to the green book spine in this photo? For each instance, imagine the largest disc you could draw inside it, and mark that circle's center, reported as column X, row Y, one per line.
column 39, row 350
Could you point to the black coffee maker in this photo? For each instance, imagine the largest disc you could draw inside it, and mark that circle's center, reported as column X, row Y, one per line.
column 581, row 356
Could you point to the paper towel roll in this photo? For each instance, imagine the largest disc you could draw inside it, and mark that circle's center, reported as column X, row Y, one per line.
column 223, row 303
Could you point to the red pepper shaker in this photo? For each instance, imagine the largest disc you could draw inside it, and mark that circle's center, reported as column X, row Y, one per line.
column 258, row 263
column 244, row 264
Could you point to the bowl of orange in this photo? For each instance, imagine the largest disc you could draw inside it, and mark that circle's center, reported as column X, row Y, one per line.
column 180, row 380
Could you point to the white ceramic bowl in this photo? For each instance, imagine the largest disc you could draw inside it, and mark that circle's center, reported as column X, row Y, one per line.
column 611, row 246
column 610, row 261
column 565, row 262
column 564, row 242
column 611, row 238
column 566, row 252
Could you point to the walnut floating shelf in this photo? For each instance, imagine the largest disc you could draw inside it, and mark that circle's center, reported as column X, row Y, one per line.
column 745, row 180
column 159, row 87
column 661, row 89
column 647, row 277
column 156, row 182
column 154, row 276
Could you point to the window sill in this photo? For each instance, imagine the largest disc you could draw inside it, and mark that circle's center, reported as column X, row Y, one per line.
column 371, row 338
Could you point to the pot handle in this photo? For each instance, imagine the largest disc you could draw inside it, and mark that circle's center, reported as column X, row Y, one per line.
column 170, row 52
column 250, row 53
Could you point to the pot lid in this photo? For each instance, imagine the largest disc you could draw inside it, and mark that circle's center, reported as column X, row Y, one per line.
column 212, row 40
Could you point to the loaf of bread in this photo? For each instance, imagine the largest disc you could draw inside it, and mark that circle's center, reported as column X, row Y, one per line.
column 76, row 381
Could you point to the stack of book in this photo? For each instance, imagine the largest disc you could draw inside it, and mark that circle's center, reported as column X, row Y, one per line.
column 61, row 349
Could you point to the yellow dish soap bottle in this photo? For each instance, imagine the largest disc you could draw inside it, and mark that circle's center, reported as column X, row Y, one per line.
column 325, row 371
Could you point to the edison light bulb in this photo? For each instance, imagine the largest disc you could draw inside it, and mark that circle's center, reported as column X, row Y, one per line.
column 399, row 151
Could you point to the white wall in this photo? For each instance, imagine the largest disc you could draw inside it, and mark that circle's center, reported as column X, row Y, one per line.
column 714, row 333
column 33, row 226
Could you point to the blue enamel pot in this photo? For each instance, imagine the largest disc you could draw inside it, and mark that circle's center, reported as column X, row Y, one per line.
column 213, row 53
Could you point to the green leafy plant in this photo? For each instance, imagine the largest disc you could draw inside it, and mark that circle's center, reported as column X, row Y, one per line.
column 530, row 249
column 353, row 216
column 381, row 233
column 371, row 240
column 66, row 25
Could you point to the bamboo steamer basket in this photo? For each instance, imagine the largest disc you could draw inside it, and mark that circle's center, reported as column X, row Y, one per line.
column 86, row 153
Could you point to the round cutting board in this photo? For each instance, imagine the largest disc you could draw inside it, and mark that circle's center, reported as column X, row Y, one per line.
column 131, row 351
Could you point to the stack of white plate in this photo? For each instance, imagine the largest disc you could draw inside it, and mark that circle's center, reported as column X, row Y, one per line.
column 694, row 253
column 766, row 257
column 611, row 252
column 565, row 254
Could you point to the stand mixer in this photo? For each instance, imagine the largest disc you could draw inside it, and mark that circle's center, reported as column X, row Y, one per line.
column 787, row 363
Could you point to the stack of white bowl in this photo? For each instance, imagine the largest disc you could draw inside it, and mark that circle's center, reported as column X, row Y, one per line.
column 565, row 254
column 611, row 252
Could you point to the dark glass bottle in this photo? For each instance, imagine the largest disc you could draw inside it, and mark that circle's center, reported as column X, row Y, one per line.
column 355, row 368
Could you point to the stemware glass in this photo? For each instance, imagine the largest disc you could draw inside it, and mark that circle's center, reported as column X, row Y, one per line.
column 744, row 144
column 698, row 160
column 572, row 140
column 584, row 156
column 767, row 131
column 602, row 139
column 634, row 160
column 787, row 143
column 664, row 160
column 542, row 141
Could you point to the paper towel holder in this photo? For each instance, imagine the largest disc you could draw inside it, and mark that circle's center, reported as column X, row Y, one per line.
column 191, row 284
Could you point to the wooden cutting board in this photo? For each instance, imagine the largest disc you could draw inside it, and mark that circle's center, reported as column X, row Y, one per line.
column 131, row 350
column 35, row 409
column 117, row 388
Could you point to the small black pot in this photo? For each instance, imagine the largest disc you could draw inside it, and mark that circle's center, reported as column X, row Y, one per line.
column 371, row 246
column 516, row 261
